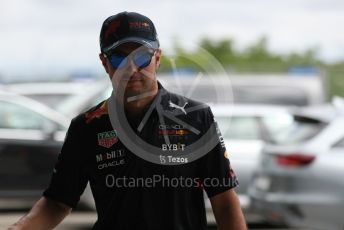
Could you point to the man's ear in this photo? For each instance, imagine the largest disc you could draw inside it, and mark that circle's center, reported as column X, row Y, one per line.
column 158, row 57
column 103, row 59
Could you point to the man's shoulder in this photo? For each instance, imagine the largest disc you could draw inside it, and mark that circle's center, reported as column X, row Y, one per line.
column 92, row 114
column 179, row 99
column 188, row 108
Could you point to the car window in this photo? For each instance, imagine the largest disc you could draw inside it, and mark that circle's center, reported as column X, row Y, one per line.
column 51, row 100
column 103, row 96
column 69, row 106
column 276, row 123
column 14, row 116
column 239, row 128
column 339, row 144
column 291, row 129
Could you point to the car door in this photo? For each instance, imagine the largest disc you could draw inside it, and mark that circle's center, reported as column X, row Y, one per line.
column 244, row 142
column 28, row 149
column 327, row 176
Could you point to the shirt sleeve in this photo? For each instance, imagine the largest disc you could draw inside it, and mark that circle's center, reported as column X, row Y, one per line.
column 69, row 177
column 217, row 173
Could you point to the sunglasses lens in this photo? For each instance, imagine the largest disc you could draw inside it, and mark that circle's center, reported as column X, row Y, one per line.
column 118, row 61
column 142, row 59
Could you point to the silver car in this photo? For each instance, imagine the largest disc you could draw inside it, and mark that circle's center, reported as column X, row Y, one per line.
column 300, row 178
column 245, row 129
column 31, row 136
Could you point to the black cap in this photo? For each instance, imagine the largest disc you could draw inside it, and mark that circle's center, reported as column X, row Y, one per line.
column 127, row 27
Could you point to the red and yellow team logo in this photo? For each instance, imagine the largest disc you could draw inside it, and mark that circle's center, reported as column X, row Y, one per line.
column 112, row 28
column 145, row 24
column 173, row 132
column 102, row 110
column 139, row 25
column 181, row 132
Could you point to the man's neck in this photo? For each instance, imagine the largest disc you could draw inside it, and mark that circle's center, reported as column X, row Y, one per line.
column 135, row 109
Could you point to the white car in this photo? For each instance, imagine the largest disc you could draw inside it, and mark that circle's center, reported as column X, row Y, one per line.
column 300, row 181
column 68, row 98
column 245, row 129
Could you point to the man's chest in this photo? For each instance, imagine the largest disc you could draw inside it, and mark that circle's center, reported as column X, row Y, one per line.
column 110, row 158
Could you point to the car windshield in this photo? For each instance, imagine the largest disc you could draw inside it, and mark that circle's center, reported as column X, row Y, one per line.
column 239, row 127
column 290, row 129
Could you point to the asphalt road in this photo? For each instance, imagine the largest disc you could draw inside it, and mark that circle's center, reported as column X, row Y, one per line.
column 84, row 221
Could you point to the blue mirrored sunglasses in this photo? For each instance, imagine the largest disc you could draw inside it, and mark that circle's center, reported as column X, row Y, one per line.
column 140, row 58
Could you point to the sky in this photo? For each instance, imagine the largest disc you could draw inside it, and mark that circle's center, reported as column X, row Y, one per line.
column 50, row 36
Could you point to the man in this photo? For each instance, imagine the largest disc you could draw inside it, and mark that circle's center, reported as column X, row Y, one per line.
column 96, row 149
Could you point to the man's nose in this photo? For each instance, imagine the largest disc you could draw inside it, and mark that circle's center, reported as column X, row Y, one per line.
column 131, row 67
